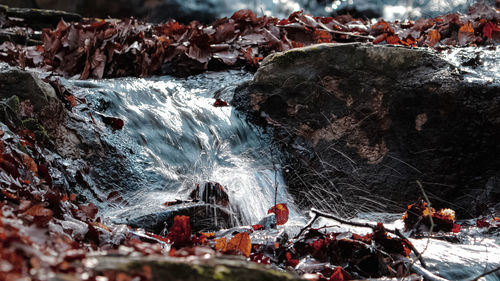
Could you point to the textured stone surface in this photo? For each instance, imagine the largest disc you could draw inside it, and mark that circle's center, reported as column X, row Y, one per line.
column 360, row 124
column 195, row 268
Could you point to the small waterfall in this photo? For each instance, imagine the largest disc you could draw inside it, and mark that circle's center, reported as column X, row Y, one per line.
column 174, row 138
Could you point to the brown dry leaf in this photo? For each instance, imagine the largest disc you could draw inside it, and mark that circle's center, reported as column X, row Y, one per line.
column 30, row 163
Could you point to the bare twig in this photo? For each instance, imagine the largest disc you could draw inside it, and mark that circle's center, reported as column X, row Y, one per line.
column 308, row 225
column 419, row 256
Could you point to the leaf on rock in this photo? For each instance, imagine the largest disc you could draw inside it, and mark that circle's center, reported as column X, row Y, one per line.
column 281, row 211
column 180, row 232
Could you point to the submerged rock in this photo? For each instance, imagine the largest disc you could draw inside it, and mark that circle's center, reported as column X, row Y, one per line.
column 360, row 124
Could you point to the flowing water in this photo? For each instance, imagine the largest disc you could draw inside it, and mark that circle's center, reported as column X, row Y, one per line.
column 387, row 9
column 174, row 138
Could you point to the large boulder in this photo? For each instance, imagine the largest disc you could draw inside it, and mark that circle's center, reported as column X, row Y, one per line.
column 361, row 124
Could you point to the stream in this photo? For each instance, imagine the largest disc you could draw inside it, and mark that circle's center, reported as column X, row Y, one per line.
column 174, row 138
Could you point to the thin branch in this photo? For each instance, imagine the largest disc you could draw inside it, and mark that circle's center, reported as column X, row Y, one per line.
column 308, row 225
column 487, row 273
column 367, row 225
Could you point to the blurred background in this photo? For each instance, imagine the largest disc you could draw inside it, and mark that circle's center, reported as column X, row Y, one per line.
column 207, row 10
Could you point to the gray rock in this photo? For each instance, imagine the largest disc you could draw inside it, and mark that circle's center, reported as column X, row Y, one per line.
column 25, row 85
column 372, row 120
column 268, row 222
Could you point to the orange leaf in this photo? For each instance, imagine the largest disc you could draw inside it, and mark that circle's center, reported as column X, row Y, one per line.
column 71, row 99
column 392, row 39
column 322, row 36
column 466, row 34
column 433, row 37
column 239, row 243
column 281, row 211
column 180, row 232
column 220, row 244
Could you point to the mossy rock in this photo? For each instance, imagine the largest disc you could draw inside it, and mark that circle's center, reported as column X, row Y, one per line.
column 33, row 125
column 195, row 269
column 25, row 85
column 9, row 111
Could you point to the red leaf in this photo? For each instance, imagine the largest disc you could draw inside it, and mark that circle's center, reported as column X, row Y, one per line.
column 488, row 29
column 281, row 211
column 180, row 232
column 456, row 228
column 220, row 103
column 115, row 123
column 482, row 223
column 290, row 261
column 257, row 226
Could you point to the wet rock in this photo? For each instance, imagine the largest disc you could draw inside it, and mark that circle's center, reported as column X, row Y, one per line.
column 25, row 85
column 38, row 18
column 203, row 217
column 193, row 268
column 268, row 222
column 212, row 193
column 360, row 124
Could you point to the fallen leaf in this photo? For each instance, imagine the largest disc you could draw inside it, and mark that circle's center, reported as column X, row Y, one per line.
column 281, row 211
column 433, row 37
column 466, row 34
column 180, row 232
column 239, row 243
column 220, row 103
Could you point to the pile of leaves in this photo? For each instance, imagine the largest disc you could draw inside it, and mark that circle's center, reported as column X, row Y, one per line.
column 316, row 253
column 117, row 48
column 44, row 229
column 417, row 219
